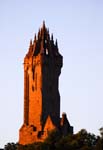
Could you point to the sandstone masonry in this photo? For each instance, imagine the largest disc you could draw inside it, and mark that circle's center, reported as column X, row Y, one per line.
column 42, row 67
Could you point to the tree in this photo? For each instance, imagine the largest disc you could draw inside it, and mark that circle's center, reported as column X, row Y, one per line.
column 80, row 141
column 99, row 145
column 11, row 146
column 55, row 141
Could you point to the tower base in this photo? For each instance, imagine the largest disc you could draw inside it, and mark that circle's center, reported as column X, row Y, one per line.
column 28, row 134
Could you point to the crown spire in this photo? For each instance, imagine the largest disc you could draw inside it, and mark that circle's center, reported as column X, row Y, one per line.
column 38, row 33
column 31, row 42
column 42, row 42
column 56, row 43
column 35, row 38
column 52, row 36
column 43, row 24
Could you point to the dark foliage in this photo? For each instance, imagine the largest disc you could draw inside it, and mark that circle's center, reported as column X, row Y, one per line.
column 11, row 146
column 55, row 141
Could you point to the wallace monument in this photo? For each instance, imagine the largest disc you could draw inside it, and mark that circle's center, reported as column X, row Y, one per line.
column 42, row 67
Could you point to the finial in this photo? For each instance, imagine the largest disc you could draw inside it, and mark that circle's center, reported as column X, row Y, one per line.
column 48, row 30
column 56, row 43
column 31, row 42
column 52, row 36
column 38, row 33
column 35, row 38
column 43, row 24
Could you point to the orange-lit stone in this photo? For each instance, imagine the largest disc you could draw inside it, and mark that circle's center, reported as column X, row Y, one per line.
column 42, row 67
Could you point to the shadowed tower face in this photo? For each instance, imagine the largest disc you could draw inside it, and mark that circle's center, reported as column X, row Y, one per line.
column 42, row 67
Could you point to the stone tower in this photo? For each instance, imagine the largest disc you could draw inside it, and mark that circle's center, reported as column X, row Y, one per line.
column 42, row 67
